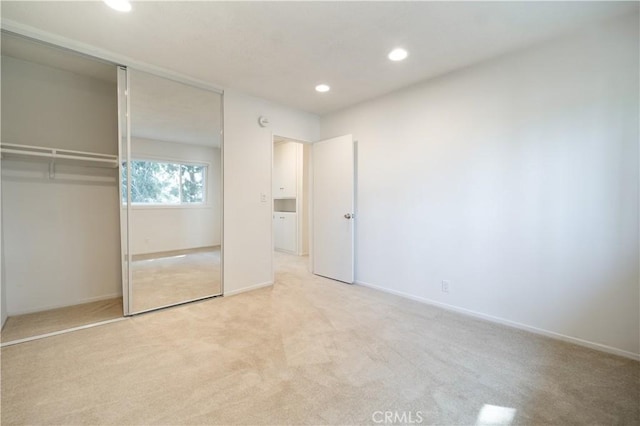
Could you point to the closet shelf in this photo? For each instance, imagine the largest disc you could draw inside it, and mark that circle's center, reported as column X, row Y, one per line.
column 55, row 155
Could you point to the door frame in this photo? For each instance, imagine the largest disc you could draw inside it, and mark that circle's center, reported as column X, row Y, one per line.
column 309, row 189
column 310, row 264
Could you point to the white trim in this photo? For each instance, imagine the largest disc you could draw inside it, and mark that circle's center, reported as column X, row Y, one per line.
column 221, row 196
column 102, row 54
column 123, row 217
column 506, row 322
column 66, row 305
column 250, row 288
column 57, row 333
column 127, row 99
column 272, row 151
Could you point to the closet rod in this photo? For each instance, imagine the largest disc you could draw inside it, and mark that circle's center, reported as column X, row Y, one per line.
column 63, row 154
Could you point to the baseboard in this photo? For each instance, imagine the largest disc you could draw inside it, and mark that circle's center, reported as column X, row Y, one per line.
column 246, row 289
column 506, row 322
column 66, row 305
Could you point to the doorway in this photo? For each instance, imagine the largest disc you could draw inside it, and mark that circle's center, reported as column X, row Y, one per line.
column 290, row 201
column 313, row 205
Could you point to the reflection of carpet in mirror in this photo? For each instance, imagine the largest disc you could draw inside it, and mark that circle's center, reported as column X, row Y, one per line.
column 167, row 278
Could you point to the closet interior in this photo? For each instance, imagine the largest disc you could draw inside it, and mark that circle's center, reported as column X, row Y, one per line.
column 290, row 196
column 60, row 208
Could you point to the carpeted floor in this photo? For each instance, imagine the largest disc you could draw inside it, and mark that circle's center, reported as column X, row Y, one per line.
column 29, row 325
column 312, row 351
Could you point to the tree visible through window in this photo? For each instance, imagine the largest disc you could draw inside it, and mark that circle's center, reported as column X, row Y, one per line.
column 154, row 182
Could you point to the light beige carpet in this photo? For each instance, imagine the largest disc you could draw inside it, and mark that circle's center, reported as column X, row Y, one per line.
column 29, row 325
column 311, row 351
column 168, row 278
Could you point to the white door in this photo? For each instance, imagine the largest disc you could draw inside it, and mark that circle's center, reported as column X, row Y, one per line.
column 333, row 208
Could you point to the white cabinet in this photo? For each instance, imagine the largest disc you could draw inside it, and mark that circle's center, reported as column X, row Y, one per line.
column 285, row 231
column 290, row 203
column 285, row 169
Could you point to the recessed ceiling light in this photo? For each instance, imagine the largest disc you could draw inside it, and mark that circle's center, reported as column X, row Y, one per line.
column 322, row 88
column 119, row 5
column 398, row 54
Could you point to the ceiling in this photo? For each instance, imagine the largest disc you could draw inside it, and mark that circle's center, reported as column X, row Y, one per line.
column 281, row 50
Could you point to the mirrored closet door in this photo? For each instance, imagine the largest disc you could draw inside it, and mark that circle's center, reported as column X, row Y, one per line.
column 171, row 192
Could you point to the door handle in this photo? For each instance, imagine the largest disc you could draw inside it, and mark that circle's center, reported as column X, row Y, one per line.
column 349, row 216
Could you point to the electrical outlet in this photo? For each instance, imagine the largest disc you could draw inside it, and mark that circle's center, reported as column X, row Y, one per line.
column 445, row 286
column 263, row 197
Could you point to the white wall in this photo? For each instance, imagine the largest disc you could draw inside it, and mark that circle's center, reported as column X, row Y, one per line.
column 61, row 236
column 157, row 229
column 516, row 179
column 248, row 247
